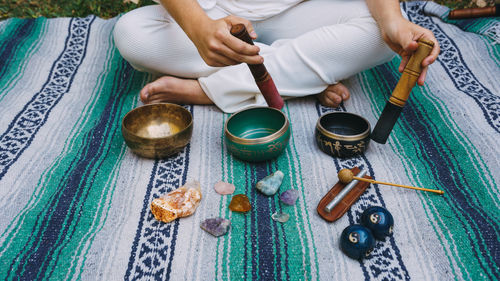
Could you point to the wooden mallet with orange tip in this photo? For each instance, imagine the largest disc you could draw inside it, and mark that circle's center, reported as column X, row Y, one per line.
column 346, row 176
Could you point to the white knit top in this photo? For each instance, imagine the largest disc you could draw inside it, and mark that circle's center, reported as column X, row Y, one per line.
column 250, row 9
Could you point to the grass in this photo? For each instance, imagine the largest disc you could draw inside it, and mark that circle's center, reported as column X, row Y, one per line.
column 111, row 8
column 64, row 8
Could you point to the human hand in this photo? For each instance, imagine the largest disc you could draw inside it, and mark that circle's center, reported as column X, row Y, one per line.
column 401, row 35
column 218, row 47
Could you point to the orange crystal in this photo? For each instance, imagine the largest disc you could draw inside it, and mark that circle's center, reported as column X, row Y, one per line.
column 178, row 203
column 240, row 203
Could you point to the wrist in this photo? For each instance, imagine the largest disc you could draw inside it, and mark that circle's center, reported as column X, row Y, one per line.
column 197, row 25
column 385, row 11
column 390, row 19
column 187, row 13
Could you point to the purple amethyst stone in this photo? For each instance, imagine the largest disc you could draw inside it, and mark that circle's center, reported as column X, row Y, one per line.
column 216, row 226
column 290, row 196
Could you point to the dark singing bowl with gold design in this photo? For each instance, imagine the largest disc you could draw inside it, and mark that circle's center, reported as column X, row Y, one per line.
column 257, row 134
column 342, row 134
column 157, row 130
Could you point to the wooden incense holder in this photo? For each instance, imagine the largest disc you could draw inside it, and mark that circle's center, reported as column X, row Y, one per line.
column 259, row 72
column 475, row 12
column 341, row 208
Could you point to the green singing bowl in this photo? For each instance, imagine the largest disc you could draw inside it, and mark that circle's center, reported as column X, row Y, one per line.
column 257, row 134
column 157, row 130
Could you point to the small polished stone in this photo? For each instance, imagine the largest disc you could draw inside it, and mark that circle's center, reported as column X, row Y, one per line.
column 240, row 203
column 270, row 184
column 280, row 217
column 216, row 226
column 224, row 188
column 290, row 196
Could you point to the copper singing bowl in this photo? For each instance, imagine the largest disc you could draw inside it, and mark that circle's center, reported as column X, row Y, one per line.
column 157, row 130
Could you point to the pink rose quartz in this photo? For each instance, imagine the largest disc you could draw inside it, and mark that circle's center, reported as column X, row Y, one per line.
column 224, row 188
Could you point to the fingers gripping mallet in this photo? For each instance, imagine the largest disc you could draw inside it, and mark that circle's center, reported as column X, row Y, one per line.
column 259, row 72
column 401, row 92
column 346, row 176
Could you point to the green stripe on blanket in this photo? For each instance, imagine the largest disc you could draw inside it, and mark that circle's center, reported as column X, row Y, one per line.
column 23, row 46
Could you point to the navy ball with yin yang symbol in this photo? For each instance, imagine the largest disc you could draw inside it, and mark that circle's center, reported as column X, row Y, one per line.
column 379, row 221
column 357, row 241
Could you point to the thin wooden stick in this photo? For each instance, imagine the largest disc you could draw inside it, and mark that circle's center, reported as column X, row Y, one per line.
column 400, row 185
column 346, row 176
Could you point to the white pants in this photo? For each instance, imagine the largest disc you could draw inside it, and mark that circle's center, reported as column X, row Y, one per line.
column 305, row 48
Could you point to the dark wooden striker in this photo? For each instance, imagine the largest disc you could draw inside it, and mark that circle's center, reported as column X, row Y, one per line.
column 259, row 72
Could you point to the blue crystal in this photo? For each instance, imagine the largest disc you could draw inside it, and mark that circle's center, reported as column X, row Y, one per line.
column 270, row 184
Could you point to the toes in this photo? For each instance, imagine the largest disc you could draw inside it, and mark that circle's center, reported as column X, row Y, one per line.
column 340, row 90
column 329, row 100
column 344, row 92
column 158, row 97
column 335, row 99
column 334, row 95
column 145, row 93
column 150, row 92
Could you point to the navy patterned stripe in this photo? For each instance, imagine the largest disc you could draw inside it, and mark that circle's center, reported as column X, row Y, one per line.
column 8, row 48
column 277, row 237
column 23, row 129
column 456, row 68
column 67, row 203
column 266, row 240
column 386, row 262
column 255, row 258
column 252, row 229
column 463, row 24
column 153, row 248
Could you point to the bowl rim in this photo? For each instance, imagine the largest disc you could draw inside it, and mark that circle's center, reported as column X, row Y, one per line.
column 262, row 140
column 356, row 137
column 190, row 124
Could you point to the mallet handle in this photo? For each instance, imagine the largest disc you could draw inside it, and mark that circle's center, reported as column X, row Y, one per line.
column 259, row 72
column 400, row 185
column 411, row 73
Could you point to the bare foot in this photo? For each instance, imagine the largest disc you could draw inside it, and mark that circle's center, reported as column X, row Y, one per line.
column 174, row 90
column 333, row 95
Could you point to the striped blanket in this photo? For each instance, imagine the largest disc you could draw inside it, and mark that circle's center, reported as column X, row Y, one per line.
column 75, row 201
